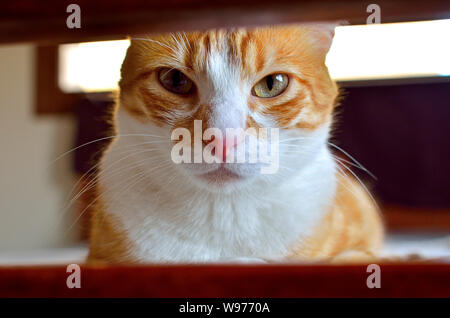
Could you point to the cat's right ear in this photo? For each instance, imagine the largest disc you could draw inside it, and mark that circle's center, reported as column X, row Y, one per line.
column 323, row 34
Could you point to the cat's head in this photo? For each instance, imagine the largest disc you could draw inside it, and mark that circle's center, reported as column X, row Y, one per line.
column 271, row 77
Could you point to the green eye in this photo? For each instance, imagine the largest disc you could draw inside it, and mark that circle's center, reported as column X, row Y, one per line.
column 175, row 81
column 271, row 85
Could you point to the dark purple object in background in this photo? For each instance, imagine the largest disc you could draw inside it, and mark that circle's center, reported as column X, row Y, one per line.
column 401, row 133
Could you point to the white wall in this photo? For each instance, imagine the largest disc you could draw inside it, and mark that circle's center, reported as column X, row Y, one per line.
column 32, row 194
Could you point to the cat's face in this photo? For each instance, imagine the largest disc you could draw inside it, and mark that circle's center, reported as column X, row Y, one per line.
column 272, row 77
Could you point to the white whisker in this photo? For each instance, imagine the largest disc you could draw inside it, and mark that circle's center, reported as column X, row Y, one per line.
column 97, row 140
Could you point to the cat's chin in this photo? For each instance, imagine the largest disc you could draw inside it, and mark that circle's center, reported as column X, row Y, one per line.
column 220, row 176
column 221, row 180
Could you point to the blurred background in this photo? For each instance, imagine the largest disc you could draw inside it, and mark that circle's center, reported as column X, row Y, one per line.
column 56, row 88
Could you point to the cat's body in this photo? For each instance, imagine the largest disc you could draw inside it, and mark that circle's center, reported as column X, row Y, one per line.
column 150, row 209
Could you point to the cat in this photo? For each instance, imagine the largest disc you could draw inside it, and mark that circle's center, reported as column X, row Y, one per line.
column 152, row 209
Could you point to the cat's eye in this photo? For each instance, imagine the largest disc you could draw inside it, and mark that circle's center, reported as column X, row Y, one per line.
column 175, row 81
column 271, row 85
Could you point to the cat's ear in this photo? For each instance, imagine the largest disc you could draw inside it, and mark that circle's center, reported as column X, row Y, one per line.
column 322, row 34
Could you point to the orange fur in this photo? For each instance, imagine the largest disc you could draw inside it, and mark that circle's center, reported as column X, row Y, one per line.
column 352, row 227
column 108, row 241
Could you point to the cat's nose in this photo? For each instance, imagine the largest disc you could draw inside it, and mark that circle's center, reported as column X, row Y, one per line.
column 226, row 145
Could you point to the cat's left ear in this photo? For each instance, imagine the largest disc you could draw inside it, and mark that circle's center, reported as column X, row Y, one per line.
column 323, row 34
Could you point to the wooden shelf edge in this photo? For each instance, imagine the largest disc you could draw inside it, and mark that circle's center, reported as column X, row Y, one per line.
column 397, row 280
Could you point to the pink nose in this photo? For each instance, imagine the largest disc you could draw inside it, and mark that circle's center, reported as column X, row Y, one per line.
column 227, row 145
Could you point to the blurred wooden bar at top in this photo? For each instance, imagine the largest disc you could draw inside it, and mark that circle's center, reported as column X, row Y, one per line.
column 45, row 22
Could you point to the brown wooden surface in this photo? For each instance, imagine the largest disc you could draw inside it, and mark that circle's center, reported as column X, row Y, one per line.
column 397, row 280
column 45, row 22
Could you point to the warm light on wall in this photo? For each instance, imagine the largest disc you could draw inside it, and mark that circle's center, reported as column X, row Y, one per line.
column 360, row 52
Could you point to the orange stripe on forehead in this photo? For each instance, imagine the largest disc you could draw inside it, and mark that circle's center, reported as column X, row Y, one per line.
column 198, row 56
column 260, row 60
column 234, row 40
column 259, row 49
column 207, row 43
column 253, row 54
column 188, row 57
column 241, row 46
column 245, row 55
column 202, row 45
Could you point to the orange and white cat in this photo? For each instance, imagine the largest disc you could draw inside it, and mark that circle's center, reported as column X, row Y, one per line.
column 151, row 209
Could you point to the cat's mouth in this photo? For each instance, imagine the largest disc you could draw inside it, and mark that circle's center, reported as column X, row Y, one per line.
column 220, row 176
